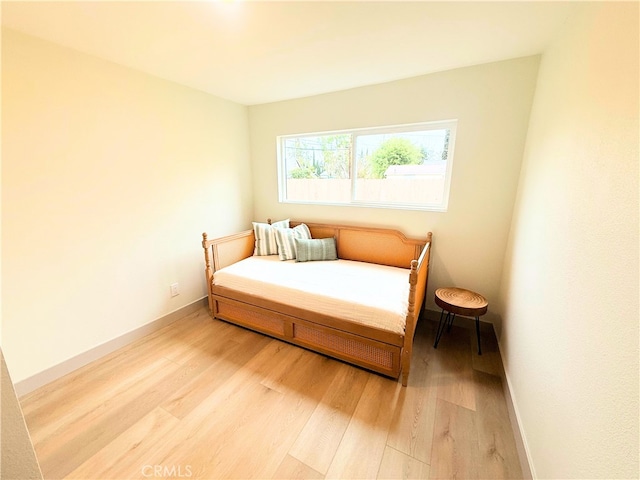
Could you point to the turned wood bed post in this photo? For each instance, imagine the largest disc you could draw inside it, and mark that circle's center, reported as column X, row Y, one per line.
column 411, row 323
column 208, row 273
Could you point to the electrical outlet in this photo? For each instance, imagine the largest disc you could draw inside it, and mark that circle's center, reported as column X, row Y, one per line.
column 174, row 289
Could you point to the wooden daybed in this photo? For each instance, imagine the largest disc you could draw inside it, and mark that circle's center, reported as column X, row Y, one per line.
column 376, row 349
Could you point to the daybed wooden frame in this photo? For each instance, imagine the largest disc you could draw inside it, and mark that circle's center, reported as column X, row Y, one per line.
column 379, row 350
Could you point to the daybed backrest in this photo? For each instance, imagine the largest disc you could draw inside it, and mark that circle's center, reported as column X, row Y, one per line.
column 373, row 245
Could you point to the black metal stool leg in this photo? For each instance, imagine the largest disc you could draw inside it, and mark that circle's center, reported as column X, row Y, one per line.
column 478, row 334
column 453, row 317
column 441, row 326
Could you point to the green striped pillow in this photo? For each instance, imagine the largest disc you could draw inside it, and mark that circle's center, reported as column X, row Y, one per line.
column 285, row 237
column 316, row 249
column 266, row 243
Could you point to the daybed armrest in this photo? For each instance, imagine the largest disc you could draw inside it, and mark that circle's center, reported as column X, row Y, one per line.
column 421, row 274
column 220, row 252
column 224, row 251
column 418, row 285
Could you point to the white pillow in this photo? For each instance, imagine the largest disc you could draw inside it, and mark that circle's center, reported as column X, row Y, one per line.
column 266, row 243
column 285, row 238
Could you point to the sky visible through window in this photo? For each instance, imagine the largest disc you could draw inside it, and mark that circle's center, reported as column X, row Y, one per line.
column 313, row 148
column 432, row 141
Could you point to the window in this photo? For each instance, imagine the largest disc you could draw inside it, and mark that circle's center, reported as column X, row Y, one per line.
column 405, row 166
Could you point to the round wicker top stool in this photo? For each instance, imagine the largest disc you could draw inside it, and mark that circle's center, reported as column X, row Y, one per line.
column 458, row 301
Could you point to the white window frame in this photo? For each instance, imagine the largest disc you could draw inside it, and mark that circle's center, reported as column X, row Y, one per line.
column 451, row 125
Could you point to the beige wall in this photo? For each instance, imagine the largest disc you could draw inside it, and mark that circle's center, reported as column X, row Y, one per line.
column 109, row 177
column 570, row 286
column 492, row 104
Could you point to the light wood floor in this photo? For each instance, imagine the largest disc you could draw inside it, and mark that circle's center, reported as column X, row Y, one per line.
column 205, row 399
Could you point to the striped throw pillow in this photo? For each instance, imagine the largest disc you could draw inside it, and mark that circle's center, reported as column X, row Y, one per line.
column 266, row 243
column 285, row 237
column 316, row 249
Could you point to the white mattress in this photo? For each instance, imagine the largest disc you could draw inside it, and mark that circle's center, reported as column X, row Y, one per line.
column 365, row 293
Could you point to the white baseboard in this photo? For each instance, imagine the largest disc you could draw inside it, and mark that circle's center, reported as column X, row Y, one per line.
column 53, row 373
column 528, row 472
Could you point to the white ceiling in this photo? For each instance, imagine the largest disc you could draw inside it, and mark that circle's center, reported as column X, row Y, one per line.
column 259, row 51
